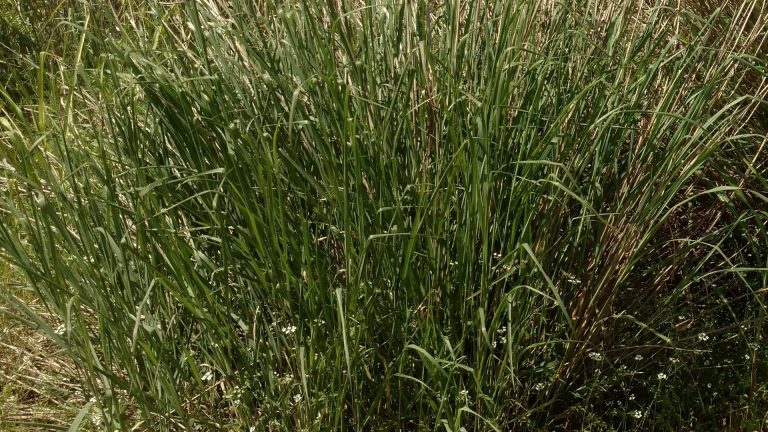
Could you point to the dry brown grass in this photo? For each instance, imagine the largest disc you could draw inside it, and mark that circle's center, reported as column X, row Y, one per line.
column 37, row 386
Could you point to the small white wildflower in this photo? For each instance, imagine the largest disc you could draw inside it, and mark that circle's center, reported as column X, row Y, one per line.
column 539, row 386
column 703, row 337
column 747, row 357
column 235, row 395
column 661, row 376
column 297, row 398
column 638, row 357
column 674, row 360
column 596, row 356
column 60, row 330
column 207, row 375
column 289, row 330
column 709, row 385
column 464, row 393
column 572, row 279
column 632, row 397
column 252, row 429
column 286, row 379
column 636, row 414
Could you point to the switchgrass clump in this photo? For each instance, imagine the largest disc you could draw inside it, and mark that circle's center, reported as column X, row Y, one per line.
column 501, row 215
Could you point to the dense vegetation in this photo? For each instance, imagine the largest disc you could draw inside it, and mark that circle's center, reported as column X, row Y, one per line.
column 410, row 215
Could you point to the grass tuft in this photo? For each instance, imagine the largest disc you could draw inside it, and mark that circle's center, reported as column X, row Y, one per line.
column 500, row 215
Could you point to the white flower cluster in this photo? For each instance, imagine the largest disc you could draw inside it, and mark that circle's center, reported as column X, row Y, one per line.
column 501, row 339
column 236, row 395
column 284, row 380
column 207, row 375
column 60, row 330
